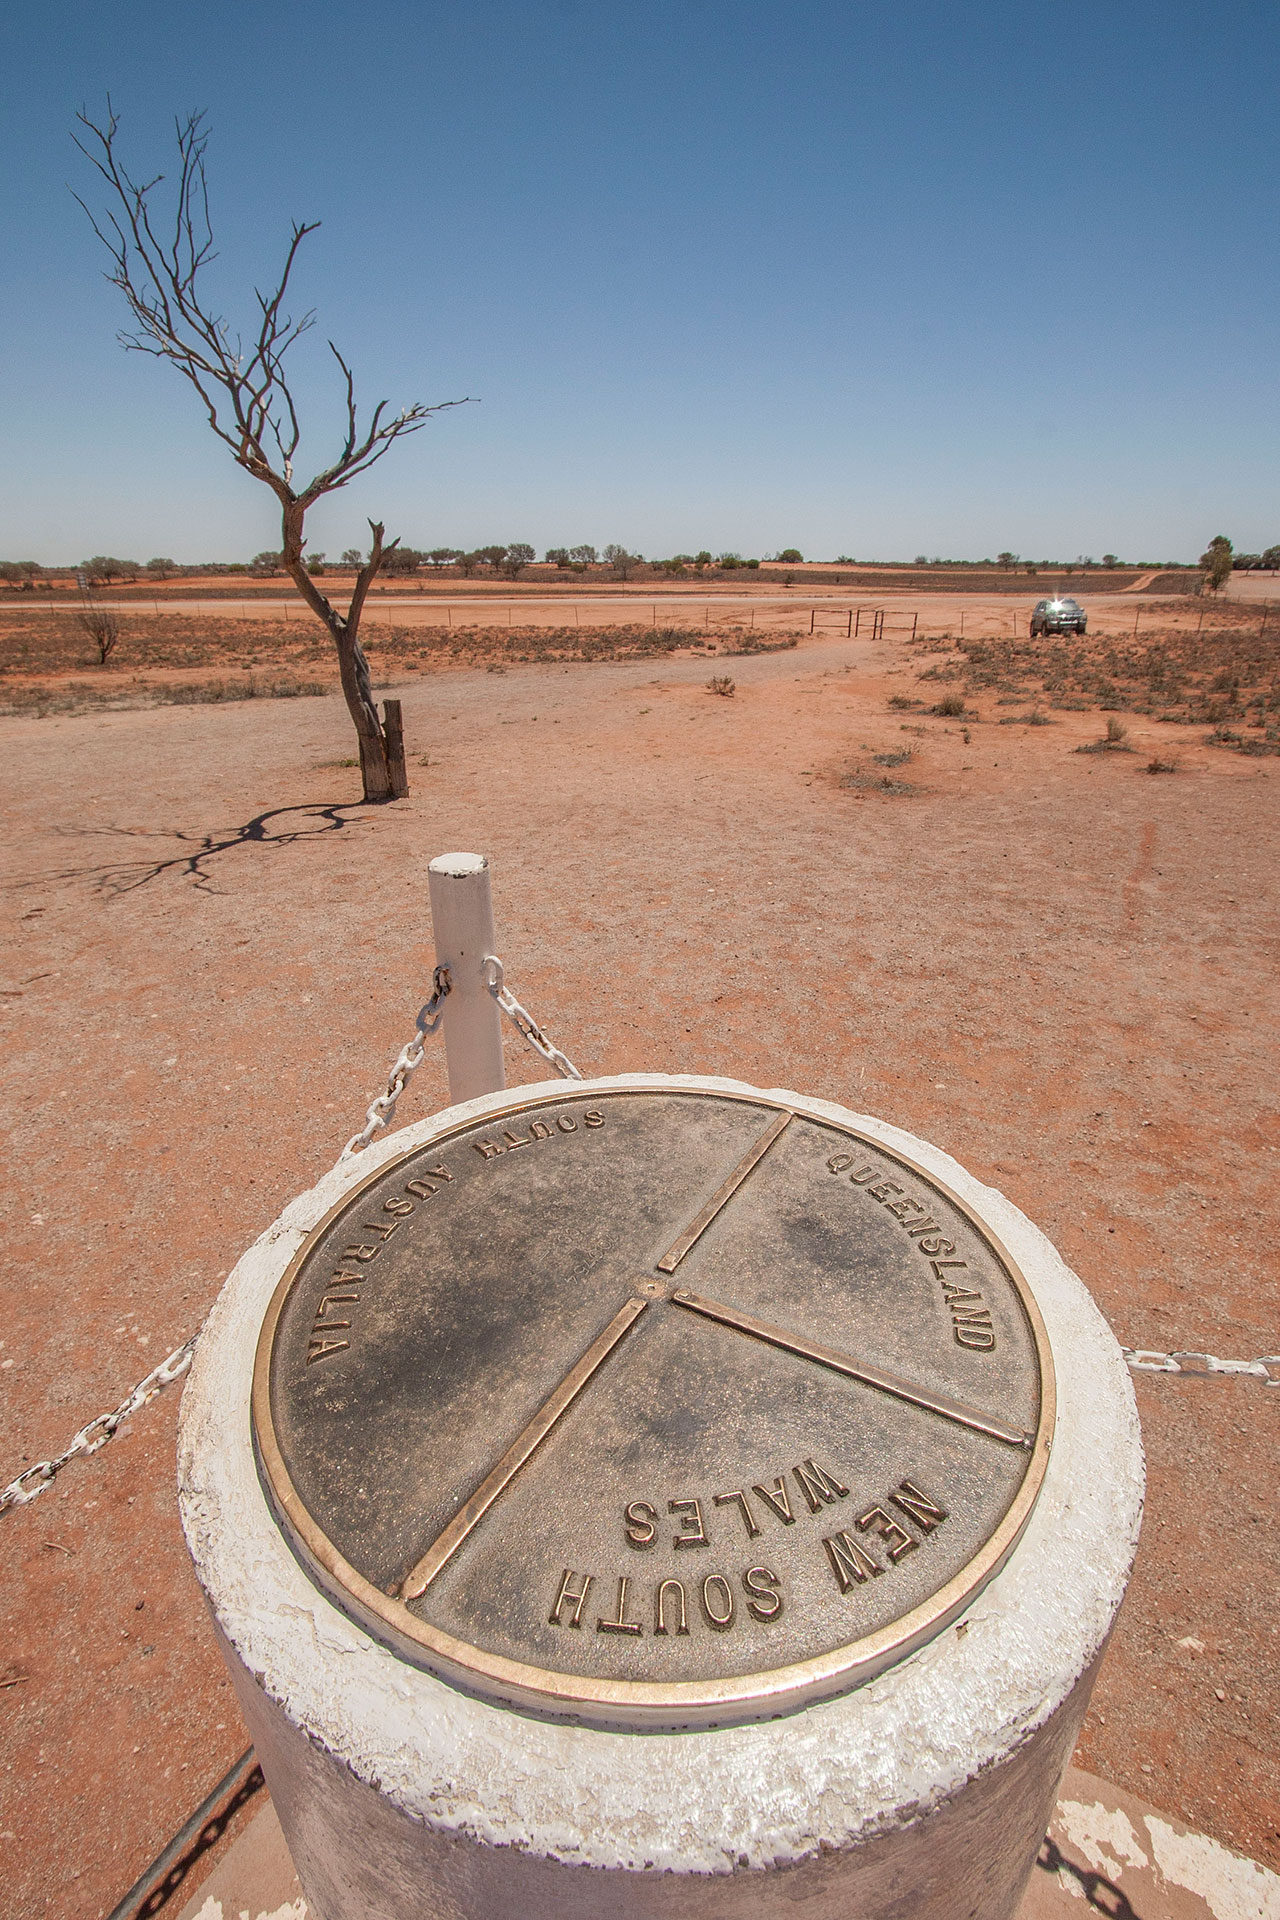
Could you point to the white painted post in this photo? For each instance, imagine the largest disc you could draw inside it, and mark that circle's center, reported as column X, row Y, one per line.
column 462, row 921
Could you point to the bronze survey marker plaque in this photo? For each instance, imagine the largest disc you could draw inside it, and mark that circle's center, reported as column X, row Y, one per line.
column 652, row 1407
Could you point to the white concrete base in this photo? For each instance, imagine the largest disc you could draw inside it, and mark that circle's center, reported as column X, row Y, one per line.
column 1104, row 1849
column 925, row 1793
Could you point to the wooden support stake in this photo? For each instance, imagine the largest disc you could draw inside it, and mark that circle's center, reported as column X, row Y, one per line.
column 393, row 727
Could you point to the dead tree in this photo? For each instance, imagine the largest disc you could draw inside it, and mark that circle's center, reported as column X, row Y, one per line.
column 157, row 261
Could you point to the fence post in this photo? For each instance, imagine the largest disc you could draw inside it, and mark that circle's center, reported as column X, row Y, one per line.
column 462, row 923
column 813, row 614
column 393, row 729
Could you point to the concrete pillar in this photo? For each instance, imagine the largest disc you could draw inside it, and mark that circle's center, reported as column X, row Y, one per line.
column 921, row 1795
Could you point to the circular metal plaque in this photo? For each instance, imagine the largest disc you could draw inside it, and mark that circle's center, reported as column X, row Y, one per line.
column 652, row 1407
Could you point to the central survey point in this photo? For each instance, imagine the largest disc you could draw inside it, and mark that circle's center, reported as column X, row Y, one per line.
column 653, row 1408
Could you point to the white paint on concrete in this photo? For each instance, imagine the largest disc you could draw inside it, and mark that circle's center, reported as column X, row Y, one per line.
column 1231, row 1888
column 873, row 1763
column 1106, row 1836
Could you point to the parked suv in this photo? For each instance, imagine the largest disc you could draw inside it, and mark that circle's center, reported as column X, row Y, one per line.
column 1057, row 616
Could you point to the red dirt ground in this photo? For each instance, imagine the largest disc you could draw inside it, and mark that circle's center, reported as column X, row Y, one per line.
column 1057, row 966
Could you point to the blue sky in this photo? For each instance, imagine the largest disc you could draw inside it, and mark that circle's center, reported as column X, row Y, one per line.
column 869, row 280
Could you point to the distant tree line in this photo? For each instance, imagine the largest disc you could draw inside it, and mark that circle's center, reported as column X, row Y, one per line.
column 1220, row 560
column 1268, row 561
column 101, row 571
column 25, row 575
column 510, row 561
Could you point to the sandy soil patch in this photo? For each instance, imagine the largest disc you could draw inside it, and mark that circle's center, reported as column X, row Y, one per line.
column 1060, row 968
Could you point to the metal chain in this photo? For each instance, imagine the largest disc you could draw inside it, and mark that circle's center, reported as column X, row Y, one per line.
column 523, row 1021
column 380, row 1112
column 91, row 1438
column 33, row 1480
column 1266, row 1368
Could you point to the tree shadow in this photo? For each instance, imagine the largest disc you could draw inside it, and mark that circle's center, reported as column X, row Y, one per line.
column 276, row 827
column 1103, row 1895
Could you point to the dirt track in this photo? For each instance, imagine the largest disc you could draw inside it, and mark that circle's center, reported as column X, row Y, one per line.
column 462, row 604
column 1057, row 966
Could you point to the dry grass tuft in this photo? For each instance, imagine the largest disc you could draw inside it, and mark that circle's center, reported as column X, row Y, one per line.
column 1114, row 740
column 860, row 779
column 1256, row 747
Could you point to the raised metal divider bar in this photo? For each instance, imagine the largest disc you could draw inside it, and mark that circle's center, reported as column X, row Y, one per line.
column 854, row 1369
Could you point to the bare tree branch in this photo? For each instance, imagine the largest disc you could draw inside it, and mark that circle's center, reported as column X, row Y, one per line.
column 365, row 576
